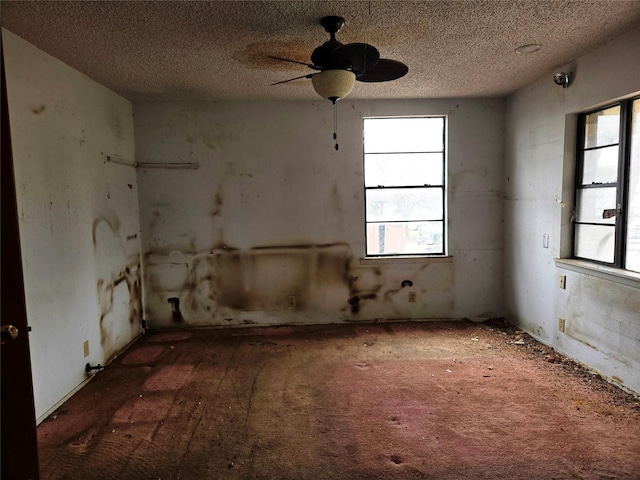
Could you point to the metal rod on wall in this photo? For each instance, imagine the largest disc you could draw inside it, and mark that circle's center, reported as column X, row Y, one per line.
column 186, row 166
column 112, row 158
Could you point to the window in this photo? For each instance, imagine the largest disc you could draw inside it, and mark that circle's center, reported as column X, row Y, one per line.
column 607, row 197
column 404, row 181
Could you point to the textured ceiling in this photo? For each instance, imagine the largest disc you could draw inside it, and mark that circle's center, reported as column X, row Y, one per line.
column 219, row 49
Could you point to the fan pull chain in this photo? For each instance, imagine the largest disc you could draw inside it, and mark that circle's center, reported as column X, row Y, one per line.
column 335, row 123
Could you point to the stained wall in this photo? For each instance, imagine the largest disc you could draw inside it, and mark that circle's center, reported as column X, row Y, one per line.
column 273, row 211
column 601, row 312
column 78, row 218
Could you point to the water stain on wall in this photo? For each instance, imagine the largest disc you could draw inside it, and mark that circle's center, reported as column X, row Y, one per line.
column 217, row 202
column 614, row 333
column 106, row 287
column 111, row 220
column 336, row 199
column 233, row 286
column 225, row 285
column 114, row 268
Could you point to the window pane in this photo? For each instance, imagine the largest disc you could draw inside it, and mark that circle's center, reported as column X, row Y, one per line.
column 602, row 128
column 595, row 242
column 404, row 174
column 600, row 166
column 401, row 204
column 633, row 225
column 403, row 135
column 592, row 202
column 405, row 238
column 633, row 245
column 403, row 169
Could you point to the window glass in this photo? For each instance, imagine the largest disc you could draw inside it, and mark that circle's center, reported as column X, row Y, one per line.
column 600, row 166
column 633, row 218
column 602, row 128
column 399, row 204
column 383, row 135
column 404, row 181
column 596, row 242
column 403, row 169
column 592, row 202
column 398, row 238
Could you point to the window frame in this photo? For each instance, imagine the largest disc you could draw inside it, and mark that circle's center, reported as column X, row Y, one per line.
column 442, row 186
column 621, row 184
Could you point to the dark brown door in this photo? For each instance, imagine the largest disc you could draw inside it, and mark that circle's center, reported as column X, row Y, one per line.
column 19, row 443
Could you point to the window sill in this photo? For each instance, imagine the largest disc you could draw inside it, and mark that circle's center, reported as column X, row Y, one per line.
column 625, row 277
column 400, row 260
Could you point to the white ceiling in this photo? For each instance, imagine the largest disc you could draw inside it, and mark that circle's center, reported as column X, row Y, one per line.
column 216, row 50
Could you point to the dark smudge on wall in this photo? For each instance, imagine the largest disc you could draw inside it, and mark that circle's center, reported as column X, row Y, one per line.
column 131, row 277
column 230, row 286
column 119, row 285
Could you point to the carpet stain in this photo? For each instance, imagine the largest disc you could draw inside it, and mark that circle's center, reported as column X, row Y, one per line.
column 144, row 355
column 306, row 402
column 169, row 377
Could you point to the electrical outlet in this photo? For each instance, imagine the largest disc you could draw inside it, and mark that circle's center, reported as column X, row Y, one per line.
column 291, row 301
column 85, row 347
column 412, row 297
column 561, row 324
column 563, row 281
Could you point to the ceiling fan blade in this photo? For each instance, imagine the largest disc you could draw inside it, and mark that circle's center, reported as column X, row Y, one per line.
column 310, row 65
column 309, row 75
column 359, row 56
column 383, row 71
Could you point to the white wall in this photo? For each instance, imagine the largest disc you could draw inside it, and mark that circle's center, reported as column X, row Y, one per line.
column 275, row 211
column 602, row 316
column 78, row 217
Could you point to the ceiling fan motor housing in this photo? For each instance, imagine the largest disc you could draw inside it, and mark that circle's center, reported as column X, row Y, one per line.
column 332, row 24
column 323, row 55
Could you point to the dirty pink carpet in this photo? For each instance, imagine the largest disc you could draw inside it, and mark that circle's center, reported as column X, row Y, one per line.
column 386, row 401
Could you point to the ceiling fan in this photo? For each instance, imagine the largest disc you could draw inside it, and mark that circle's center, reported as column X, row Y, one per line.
column 339, row 65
